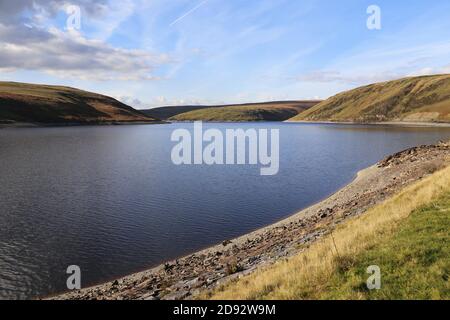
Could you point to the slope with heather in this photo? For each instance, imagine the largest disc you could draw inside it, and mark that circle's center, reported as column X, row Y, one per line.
column 415, row 99
column 43, row 104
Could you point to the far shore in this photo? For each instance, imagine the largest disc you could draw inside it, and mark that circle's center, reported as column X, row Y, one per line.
column 386, row 123
column 197, row 273
column 390, row 123
column 6, row 125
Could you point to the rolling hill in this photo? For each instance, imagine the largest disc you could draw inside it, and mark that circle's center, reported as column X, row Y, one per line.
column 415, row 99
column 268, row 111
column 42, row 104
column 165, row 113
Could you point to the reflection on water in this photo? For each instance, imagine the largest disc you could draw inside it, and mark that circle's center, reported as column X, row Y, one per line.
column 110, row 200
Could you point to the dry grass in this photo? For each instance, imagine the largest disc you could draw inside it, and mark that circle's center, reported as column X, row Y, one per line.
column 421, row 99
column 277, row 111
column 270, row 111
column 307, row 275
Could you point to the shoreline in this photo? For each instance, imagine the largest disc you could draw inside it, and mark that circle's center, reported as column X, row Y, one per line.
column 218, row 246
column 20, row 125
column 386, row 123
column 390, row 123
column 187, row 277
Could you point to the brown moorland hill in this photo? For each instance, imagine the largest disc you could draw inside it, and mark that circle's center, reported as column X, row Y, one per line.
column 43, row 104
column 415, row 99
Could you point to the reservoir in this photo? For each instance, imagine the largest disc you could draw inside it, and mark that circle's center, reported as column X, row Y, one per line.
column 110, row 200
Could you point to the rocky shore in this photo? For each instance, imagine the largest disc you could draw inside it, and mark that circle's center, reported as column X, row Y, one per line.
column 197, row 273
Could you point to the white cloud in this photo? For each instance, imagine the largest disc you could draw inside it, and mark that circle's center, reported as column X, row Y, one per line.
column 159, row 101
column 133, row 102
column 13, row 11
column 377, row 65
column 446, row 69
column 112, row 18
column 70, row 55
column 326, row 76
column 29, row 42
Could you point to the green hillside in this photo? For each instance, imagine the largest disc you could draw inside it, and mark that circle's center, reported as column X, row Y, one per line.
column 270, row 111
column 417, row 99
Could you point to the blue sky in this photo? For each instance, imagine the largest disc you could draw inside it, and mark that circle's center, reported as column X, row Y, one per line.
column 154, row 52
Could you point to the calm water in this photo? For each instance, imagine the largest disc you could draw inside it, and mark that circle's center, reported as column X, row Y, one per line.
column 110, row 200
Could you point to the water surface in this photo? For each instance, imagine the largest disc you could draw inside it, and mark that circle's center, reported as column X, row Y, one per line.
column 110, row 200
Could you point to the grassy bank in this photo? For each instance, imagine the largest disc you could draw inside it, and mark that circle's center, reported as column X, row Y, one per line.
column 407, row 237
column 415, row 261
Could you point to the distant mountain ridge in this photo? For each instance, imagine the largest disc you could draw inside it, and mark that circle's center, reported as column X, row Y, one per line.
column 414, row 99
column 264, row 111
column 43, row 104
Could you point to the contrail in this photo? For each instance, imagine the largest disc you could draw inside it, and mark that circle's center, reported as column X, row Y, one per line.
column 189, row 12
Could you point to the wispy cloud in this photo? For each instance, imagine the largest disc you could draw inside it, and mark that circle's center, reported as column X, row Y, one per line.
column 189, row 12
column 393, row 62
